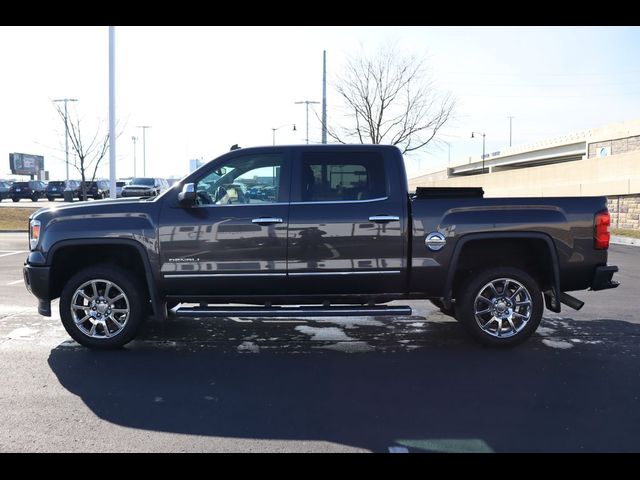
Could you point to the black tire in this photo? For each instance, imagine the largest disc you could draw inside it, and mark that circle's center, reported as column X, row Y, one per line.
column 34, row 198
column 517, row 332
column 128, row 284
column 51, row 199
column 451, row 312
column 15, row 199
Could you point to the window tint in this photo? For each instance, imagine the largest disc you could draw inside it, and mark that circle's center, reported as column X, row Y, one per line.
column 348, row 176
column 250, row 179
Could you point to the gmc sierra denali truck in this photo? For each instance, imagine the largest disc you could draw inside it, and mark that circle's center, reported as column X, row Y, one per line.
column 320, row 230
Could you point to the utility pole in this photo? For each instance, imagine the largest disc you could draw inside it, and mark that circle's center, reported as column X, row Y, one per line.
column 66, row 131
column 510, row 124
column 307, row 103
column 134, row 138
column 324, row 96
column 483, row 138
column 144, row 149
column 112, row 112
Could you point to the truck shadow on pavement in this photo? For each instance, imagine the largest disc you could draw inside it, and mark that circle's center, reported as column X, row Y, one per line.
column 427, row 387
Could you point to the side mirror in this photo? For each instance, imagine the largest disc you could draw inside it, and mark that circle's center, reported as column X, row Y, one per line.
column 188, row 193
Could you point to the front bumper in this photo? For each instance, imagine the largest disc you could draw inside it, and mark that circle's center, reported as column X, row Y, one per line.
column 602, row 278
column 137, row 193
column 36, row 279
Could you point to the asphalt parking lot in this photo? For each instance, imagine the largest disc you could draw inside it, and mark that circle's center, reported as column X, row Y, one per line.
column 413, row 384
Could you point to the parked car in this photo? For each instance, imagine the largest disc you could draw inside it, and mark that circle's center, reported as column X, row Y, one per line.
column 33, row 189
column 119, row 185
column 98, row 189
column 341, row 236
column 4, row 190
column 144, row 187
column 56, row 188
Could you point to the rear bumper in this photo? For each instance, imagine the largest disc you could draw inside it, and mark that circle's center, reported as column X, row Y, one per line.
column 36, row 279
column 602, row 278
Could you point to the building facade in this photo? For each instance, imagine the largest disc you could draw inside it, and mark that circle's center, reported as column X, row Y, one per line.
column 598, row 161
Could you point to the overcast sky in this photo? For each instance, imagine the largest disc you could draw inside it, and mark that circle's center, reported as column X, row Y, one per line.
column 203, row 89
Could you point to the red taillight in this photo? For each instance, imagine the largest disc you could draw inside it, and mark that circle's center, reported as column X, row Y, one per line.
column 602, row 234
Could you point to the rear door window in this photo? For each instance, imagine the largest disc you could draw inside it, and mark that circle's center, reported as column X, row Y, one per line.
column 349, row 176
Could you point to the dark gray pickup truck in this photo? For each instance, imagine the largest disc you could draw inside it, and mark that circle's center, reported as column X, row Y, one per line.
column 320, row 230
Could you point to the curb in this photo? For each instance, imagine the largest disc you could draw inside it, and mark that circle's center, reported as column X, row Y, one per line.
column 620, row 240
column 14, row 231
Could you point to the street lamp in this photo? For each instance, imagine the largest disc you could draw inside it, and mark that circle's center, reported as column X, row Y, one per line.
column 66, row 131
column 510, row 125
column 483, row 135
column 307, row 103
column 449, row 156
column 135, row 139
column 273, row 130
column 144, row 148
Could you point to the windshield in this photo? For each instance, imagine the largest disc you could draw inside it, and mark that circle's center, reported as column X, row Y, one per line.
column 142, row 181
column 56, row 184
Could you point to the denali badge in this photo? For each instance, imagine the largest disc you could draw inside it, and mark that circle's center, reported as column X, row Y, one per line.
column 435, row 241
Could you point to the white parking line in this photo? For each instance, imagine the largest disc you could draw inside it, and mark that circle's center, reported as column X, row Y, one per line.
column 396, row 449
column 17, row 282
column 13, row 253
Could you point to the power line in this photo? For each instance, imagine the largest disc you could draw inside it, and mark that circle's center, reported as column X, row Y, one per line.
column 576, row 74
column 546, row 85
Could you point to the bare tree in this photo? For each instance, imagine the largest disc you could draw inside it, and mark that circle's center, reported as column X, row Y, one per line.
column 391, row 99
column 89, row 151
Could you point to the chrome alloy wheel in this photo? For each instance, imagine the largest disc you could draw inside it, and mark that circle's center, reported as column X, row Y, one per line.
column 502, row 307
column 100, row 309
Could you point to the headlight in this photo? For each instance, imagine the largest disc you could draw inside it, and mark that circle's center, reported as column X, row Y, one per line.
column 34, row 233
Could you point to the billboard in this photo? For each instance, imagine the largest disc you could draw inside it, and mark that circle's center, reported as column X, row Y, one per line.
column 26, row 164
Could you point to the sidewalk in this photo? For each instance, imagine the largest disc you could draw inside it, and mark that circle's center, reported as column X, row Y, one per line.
column 620, row 240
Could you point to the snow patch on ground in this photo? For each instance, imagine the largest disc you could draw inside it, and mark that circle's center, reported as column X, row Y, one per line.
column 22, row 332
column 351, row 322
column 417, row 324
column 324, row 334
column 561, row 344
column 545, row 331
column 349, row 347
column 248, row 347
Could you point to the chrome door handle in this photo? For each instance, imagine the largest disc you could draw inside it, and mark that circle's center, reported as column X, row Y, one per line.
column 266, row 220
column 384, row 218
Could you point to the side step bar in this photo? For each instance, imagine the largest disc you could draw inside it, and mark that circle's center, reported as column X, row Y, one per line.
column 347, row 311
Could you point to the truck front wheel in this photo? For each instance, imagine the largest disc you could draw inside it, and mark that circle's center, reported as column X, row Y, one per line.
column 500, row 307
column 101, row 307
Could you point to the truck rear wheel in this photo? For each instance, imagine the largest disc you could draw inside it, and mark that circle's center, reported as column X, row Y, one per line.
column 101, row 307
column 500, row 307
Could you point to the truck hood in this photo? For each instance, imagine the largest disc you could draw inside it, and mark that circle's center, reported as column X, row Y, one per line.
column 96, row 207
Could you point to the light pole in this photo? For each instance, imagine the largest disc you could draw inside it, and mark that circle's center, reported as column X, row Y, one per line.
column 449, row 156
column 510, row 125
column 144, row 148
column 112, row 112
column 273, row 130
column 307, row 103
column 66, row 131
column 135, row 139
column 483, row 135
